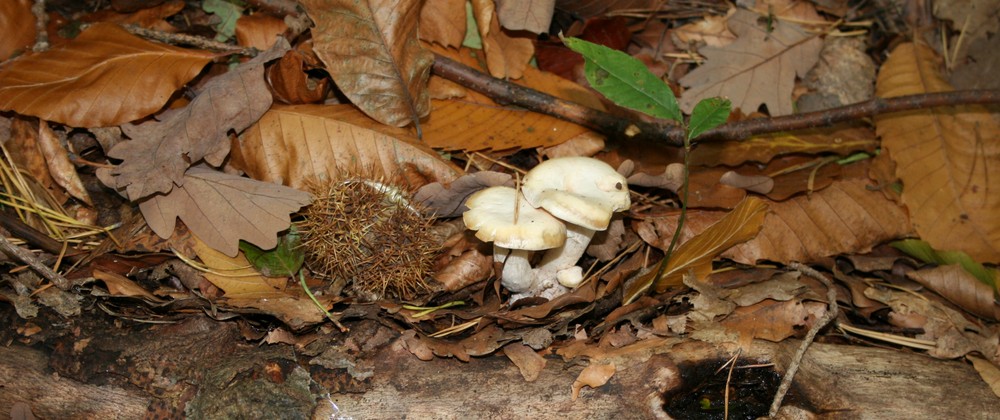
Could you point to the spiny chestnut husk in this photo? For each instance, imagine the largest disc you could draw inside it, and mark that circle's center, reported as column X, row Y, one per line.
column 367, row 233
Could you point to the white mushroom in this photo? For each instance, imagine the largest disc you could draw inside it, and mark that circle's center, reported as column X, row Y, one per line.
column 491, row 214
column 583, row 192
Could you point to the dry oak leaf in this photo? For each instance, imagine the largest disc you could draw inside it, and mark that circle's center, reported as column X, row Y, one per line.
column 160, row 151
column 104, row 77
column 371, row 50
column 222, row 209
column 443, row 22
column 528, row 15
column 506, row 56
column 946, row 158
column 292, row 144
column 758, row 68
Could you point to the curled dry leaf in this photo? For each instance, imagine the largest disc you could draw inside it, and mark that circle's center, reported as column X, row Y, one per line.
column 988, row 371
column 470, row 267
column 443, row 22
column 527, row 361
column 758, row 68
column 946, row 158
column 160, row 151
column 593, row 376
column 507, row 56
column 222, row 209
column 291, row 144
column 104, row 77
column 60, row 168
column 371, row 50
column 961, row 288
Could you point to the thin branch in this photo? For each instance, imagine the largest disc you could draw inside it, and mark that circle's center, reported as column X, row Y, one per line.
column 507, row 93
column 32, row 261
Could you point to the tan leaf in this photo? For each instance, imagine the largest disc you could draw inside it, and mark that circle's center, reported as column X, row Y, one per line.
column 60, row 168
column 526, row 15
column 758, row 68
column 506, row 56
column 105, row 76
column 19, row 27
column 988, row 371
column 527, row 361
column 290, row 144
column 763, row 148
column 739, row 225
column 712, row 31
column 755, row 183
column 290, row 81
column 119, row 285
column 946, row 158
column 236, row 277
column 475, row 122
column 793, row 9
column 222, row 209
column 259, row 30
column 771, row 320
column 959, row 287
column 160, row 151
column 25, row 153
column 150, row 17
column 371, row 50
column 593, row 376
column 443, row 22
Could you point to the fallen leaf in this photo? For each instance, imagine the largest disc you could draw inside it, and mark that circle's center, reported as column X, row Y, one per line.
column 222, row 209
column 961, row 288
column 771, row 320
column 104, row 77
column 19, row 27
column 944, row 156
column 528, row 15
column 712, row 31
column 593, row 376
column 988, row 371
column 527, row 361
column 160, row 151
column 507, row 56
column 119, row 285
column 60, row 168
column 755, row 183
column 290, row 80
column 470, row 267
column 739, row 225
column 291, row 144
column 259, row 31
column 840, row 140
column 235, row 276
column 154, row 18
column 758, row 68
column 25, row 154
column 443, row 22
column 371, row 50
column 449, row 201
column 974, row 18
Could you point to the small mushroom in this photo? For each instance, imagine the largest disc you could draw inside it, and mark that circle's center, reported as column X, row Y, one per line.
column 491, row 214
column 583, row 192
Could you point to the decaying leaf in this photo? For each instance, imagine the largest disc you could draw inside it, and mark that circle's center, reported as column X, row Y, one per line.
column 160, row 151
column 291, row 144
column 695, row 255
column 946, row 158
column 961, row 288
column 771, row 320
column 988, row 371
column 527, row 360
column 443, row 22
column 594, row 375
column 104, row 77
column 60, row 168
column 371, row 50
column 222, row 209
column 507, row 56
column 758, row 68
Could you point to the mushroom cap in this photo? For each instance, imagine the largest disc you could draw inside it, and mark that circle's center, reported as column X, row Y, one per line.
column 580, row 190
column 491, row 214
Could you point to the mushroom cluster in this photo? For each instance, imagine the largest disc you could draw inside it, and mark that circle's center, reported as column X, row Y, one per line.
column 561, row 204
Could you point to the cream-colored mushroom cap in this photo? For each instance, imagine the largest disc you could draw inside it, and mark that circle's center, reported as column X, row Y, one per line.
column 491, row 214
column 580, row 190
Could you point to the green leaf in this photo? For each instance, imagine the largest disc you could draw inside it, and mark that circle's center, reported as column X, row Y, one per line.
column 284, row 260
column 228, row 12
column 708, row 114
column 922, row 251
column 625, row 80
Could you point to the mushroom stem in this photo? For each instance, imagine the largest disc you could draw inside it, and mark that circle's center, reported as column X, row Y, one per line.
column 516, row 275
column 566, row 256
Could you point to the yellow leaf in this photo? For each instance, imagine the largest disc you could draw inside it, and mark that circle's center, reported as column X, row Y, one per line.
column 945, row 157
column 235, row 275
column 696, row 255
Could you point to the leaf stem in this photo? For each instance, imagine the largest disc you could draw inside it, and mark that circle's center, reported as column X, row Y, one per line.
column 302, row 280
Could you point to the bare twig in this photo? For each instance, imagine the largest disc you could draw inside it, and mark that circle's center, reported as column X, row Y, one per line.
column 508, row 93
column 32, row 261
column 35, row 238
column 793, row 365
column 195, row 41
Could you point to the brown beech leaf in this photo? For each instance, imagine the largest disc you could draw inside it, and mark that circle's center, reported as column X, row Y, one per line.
column 758, row 68
column 150, row 17
column 595, row 375
column 443, row 22
column 739, row 225
column 756, row 183
column 222, row 209
column 528, row 15
column 527, row 360
column 19, row 26
column 772, row 320
column 25, row 153
column 371, row 50
column 160, row 151
column 961, row 288
column 105, row 76
column 259, row 30
column 290, row 81
column 291, row 144
column 507, row 56
column 60, row 168
column 946, row 158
